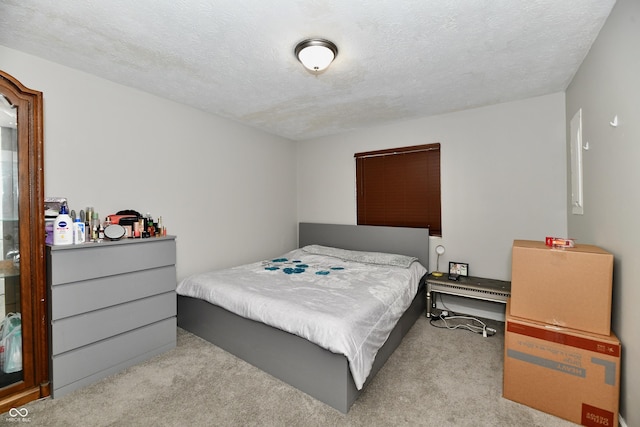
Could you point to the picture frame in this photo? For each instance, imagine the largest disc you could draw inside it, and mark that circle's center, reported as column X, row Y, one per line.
column 459, row 269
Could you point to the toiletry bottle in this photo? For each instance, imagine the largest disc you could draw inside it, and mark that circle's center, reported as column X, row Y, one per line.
column 150, row 227
column 78, row 231
column 87, row 223
column 95, row 224
column 63, row 228
column 160, row 230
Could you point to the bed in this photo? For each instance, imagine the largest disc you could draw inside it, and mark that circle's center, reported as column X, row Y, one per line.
column 323, row 374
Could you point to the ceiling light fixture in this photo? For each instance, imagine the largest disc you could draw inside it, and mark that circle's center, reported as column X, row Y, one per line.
column 316, row 54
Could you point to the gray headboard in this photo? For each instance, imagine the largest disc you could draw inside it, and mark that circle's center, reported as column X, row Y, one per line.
column 395, row 240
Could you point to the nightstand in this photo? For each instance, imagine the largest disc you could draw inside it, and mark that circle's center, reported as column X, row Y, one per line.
column 470, row 287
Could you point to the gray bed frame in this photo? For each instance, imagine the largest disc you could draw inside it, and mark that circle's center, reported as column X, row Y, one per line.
column 318, row 372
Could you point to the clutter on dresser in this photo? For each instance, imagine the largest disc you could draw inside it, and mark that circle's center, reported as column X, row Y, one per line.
column 64, row 227
column 136, row 225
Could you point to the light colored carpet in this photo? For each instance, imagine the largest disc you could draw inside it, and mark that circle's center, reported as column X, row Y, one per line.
column 437, row 377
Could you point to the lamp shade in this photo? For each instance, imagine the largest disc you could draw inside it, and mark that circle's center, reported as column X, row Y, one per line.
column 316, row 54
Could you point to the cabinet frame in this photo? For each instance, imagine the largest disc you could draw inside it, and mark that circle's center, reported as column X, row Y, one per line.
column 33, row 291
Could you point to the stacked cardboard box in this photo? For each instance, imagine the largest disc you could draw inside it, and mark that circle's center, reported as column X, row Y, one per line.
column 560, row 355
column 565, row 287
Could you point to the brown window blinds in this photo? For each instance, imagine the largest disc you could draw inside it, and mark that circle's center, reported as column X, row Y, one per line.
column 400, row 187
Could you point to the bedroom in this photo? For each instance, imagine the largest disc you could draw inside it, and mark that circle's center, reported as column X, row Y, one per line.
column 219, row 184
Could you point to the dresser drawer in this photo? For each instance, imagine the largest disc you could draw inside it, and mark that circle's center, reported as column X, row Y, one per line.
column 85, row 365
column 71, row 299
column 84, row 262
column 87, row 328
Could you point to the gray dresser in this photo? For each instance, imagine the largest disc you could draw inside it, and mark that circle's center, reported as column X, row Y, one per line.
column 111, row 305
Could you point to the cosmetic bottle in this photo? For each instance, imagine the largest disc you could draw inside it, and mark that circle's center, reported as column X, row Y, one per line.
column 95, row 225
column 159, row 230
column 63, row 227
column 78, row 231
column 87, row 223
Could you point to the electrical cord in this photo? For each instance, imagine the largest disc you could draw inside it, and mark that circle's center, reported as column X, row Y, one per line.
column 445, row 318
column 481, row 329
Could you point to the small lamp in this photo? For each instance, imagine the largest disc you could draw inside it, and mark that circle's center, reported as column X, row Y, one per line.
column 316, row 54
column 439, row 251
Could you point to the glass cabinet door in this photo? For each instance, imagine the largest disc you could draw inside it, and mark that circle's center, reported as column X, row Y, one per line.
column 24, row 347
column 10, row 310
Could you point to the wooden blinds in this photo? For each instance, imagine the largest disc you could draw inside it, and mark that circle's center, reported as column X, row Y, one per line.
column 400, row 187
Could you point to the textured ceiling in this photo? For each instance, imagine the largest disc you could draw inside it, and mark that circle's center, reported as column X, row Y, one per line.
column 234, row 58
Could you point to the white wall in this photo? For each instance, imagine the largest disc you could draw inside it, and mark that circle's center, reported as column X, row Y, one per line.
column 608, row 84
column 503, row 177
column 227, row 191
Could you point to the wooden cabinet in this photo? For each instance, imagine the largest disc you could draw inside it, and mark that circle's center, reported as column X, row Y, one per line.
column 22, row 272
column 112, row 305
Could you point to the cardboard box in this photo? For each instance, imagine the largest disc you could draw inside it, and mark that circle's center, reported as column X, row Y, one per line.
column 566, row 373
column 568, row 287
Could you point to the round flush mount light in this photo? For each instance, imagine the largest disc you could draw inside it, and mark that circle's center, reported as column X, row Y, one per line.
column 316, row 54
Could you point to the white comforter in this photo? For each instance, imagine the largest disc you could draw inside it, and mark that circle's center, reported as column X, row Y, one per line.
column 345, row 301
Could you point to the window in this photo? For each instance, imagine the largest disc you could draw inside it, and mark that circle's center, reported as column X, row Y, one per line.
column 400, row 187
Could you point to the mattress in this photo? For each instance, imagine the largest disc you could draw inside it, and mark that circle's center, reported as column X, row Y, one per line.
column 344, row 301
